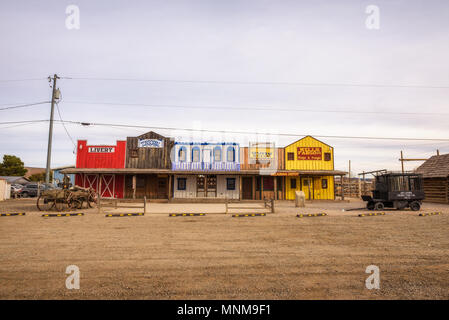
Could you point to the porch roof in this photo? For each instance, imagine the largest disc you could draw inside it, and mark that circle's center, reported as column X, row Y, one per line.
column 186, row 172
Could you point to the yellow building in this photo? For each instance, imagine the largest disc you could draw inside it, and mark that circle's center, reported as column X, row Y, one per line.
column 309, row 166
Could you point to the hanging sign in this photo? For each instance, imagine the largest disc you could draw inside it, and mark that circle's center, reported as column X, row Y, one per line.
column 261, row 151
column 151, row 143
column 101, row 149
column 309, row 153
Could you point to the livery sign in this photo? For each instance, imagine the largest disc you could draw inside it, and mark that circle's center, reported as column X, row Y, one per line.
column 309, row 153
column 150, row 143
column 101, row 149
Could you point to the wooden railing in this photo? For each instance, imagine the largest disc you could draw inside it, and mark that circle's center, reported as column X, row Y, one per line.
column 264, row 204
column 120, row 203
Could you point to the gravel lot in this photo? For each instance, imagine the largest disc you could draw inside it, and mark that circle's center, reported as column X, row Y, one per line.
column 216, row 256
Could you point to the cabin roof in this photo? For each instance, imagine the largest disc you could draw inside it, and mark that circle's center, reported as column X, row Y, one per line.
column 435, row 167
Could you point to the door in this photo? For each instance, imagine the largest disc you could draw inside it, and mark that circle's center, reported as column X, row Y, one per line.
column 107, row 182
column 162, row 188
column 207, row 155
column 200, row 186
column 306, row 184
column 211, row 186
column 317, row 191
column 247, row 188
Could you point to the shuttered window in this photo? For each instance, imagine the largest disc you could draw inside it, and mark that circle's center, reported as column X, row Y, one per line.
column 196, row 154
column 290, row 156
column 182, row 183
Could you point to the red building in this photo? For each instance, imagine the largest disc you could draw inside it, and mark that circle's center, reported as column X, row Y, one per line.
column 101, row 157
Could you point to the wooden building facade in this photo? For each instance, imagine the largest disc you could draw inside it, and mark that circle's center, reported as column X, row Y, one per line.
column 157, row 167
column 435, row 173
column 206, row 170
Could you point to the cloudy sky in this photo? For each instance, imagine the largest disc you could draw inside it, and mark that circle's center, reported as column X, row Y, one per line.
column 279, row 67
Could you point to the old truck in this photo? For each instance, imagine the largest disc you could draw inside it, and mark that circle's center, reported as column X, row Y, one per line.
column 398, row 190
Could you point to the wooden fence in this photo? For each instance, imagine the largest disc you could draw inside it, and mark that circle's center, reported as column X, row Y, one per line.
column 264, row 204
column 120, row 203
column 353, row 188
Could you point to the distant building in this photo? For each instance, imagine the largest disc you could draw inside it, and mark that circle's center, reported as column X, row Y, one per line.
column 15, row 179
column 58, row 176
column 435, row 173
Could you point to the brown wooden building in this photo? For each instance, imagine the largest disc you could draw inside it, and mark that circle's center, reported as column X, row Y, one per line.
column 150, row 153
column 435, row 173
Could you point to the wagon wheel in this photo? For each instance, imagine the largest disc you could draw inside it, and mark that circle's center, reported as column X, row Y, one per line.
column 44, row 203
column 92, row 199
column 61, row 204
column 379, row 206
column 75, row 203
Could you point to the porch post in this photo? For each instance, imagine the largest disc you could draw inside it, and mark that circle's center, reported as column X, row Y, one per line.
column 275, row 188
column 240, row 187
column 134, row 186
column 169, row 186
column 261, row 187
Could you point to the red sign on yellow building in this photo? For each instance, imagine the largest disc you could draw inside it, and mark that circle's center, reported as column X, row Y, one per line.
column 309, row 153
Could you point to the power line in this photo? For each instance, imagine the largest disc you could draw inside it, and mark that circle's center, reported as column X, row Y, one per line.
column 280, row 83
column 226, row 131
column 63, row 124
column 24, row 105
column 258, row 133
column 19, row 80
column 257, row 108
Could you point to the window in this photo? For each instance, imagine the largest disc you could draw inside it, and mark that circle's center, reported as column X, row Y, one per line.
column 327, row 156
column 196, row 154
column 293, row 183
column 290, row 156
column 217, row 154
column 324, row 184
column 305, row 182
column 230, row 183
column 231, row 154
column 182, row 154
column 134, row 153
column 182, row 183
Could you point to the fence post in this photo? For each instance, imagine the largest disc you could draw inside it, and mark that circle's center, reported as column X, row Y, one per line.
column 272, row 205
column 226, row 203
column 144, row 204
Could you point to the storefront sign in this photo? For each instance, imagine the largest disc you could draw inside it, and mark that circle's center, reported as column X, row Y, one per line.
column 261, row 151
column 151, row 143
column 309, row 153
column 101, row 149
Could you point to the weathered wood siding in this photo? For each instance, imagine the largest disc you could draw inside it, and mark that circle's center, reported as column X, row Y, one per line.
column 190, row 191
column 148, row 158
column 246, row 165
column 436, row 189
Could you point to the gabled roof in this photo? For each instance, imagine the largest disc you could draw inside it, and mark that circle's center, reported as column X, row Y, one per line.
column 15, row 179
column 435, row 167
column 309, row 137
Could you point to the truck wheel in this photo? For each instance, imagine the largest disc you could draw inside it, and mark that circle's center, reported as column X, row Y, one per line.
column 24, row 194
column 379, row 206
column 415, row 206
column 370, row 205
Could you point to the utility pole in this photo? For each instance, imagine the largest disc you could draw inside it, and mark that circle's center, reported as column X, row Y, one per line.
column 402, row 159
column 50, row 130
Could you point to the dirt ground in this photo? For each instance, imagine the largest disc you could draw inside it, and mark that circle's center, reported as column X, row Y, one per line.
column 216, row 256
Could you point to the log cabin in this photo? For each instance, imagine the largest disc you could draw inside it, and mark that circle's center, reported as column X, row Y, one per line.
column 435, row 173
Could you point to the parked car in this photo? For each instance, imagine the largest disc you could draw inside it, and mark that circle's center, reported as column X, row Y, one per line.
column 16, row 189
column 31, row 189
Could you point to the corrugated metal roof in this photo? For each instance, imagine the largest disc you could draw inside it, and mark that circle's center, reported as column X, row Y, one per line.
column 435, row 167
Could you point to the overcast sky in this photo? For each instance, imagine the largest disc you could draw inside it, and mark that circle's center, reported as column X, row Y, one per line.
column 299, row 42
